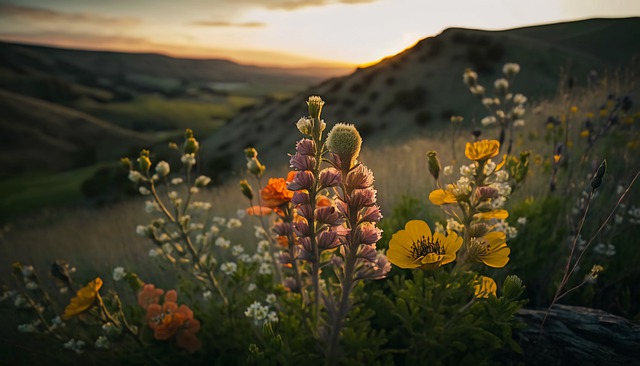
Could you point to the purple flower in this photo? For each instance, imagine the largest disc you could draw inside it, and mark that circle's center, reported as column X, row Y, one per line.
column 361, row 198
column 367, row 234
column 282, row 228
column 300, row 198
column 328, row 215
column 305, row 211
column 302, row 180
column 375, row 270
column 329, row 177
column 360, row 177
column 302, row 228
column 367, row 252
column 306, row 252
column 371, row 214
column 302, row 162
column 306, row 147
column 328, row 239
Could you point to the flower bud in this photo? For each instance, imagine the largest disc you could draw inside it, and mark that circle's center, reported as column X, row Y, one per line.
column 315, row 104
column 329, row 177
column 510, row 69
column 126, row 163
column 345, row 141
column 597, row 178
column 512, row 287
column 163, row 168
column 360, row 177
column 143, row 161
column 305, row 125
column 202, row 181
column 306, row 147
column 250, row 153
column 470, row 77
column 434, row 164
column 328, row 240
column 254, row 167
column 246, row 189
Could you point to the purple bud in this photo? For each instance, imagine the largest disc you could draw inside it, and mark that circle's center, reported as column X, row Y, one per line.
column 306, row 251
column 367, row 234
column 367, row 252
column 282, row 228
column 300, row 198
column 329, row 177
column 302, row 180
column 343, row 208
column 486, row 193
column 335, row 159
column 328, row 239
column 306, row 147
column 328, row 215
column 374, row 270
column 302, row 162
column 371, row 214
column 359, row 177
column 305, row 211
column 361, row 198
column 301, row 228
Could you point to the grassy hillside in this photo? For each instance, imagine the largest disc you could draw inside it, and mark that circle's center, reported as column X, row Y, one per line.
column 410, row 94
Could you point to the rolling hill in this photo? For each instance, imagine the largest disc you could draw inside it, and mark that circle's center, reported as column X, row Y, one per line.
column 410, row 94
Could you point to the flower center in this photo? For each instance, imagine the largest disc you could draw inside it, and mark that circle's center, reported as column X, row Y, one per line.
column 426, row 245
column 478, row 247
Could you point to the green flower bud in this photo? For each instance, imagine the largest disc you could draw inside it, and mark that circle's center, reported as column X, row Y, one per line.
column 246, row 189
column 134, row 281
column 345, row 141
column 254, row 167
column 188, row 133
column 126, row 163
column 250, row 153
column 315, row 104
column 191, row 146
column 434, row 164
column 512, row 287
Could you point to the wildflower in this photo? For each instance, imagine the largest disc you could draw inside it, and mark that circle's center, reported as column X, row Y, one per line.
column 251, row 287
column 154, row 252
column 191, row 145
column 593, row 273
column 119, row 273
column 344, row 140
column 102, row 342
column 486, row 286
column 416, row 246
column 176, row 181
column 494, row 214
column 75, row 346
column 202, row 181
column 275, row 193
column 477, row 90
column 482, row 150
column 490, row 249
column 188, row 159
column 518, row 123
column 151, row 207
column 236, row 250
column 234, row 223
column 305, row 125
column 271, row 298
column 229, row 268
column 447, row 170
column 149, row 295
column 502, row 85
column 135, row 176
column 265, row 269
column 489, row 120
column 85, row 297
column 163, row 168
column 510, row 69
column 144, row 191
column 522, row 220
column 27, row 328
column 470, row 77
column 519, row 99
column 223, row 243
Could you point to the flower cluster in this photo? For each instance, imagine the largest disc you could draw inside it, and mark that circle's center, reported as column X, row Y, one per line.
column 168, row 320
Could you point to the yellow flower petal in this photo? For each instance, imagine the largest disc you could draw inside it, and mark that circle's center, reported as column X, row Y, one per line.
column 482, row 150
column 85, row 297
column 495, row 214
column 417, row 246
column 486, row 286
column 441, row 197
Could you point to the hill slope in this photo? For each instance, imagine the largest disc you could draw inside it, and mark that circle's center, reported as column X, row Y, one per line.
column 409, row 94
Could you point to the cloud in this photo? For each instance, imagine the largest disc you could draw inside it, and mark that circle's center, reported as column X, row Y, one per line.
column 291, row 5
column 206, row 23
column 29, row 13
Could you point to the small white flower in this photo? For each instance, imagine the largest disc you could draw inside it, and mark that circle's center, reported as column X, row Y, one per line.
column 272, row 317
column 214, row 230
column 519, row 99
column 151, row 207
column 489, row 120
column 271, row 298
column 143, row 230
column 144, row 191
column 223, row 243
column 219, row 220
column 241, row 214
column 27, row 271
column 477, row 90
column 102, row 342
column 163, row 168
column 245, row 258
column 447, row 170
column 501, row 85
column 489, row 167
column 251, row 287
column 234, row 224
column 263, row 246
column 522, row 220
column 511, row 69
column 487, row 102
column 194, row 190
column 438, row 228
column 518, row 111
column 172, row 195
column 236, row 250
column 618, row 219
column 26, row 328
column 188, row 159
column 259, row 232
column 305, row 125
column 207, row 295
column 518, row 123
column 202, row 181
column 229, row 268
column 135, row 176
column 265, row 269
column 119, row 273
column 176, row 181
column 31, row 286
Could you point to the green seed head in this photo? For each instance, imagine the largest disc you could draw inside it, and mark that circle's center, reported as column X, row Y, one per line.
column 345, row 141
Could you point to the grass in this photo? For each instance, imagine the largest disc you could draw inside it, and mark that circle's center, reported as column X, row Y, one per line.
column 27, row 192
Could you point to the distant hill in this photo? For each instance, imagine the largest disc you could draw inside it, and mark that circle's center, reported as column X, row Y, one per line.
column 410, row 94
column 45, row 137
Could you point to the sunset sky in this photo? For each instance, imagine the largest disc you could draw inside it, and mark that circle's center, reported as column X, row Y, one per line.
column 277, row 32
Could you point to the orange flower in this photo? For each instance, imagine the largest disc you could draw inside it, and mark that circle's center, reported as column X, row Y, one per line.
column 187, row 338
column 259, row 211
column 85, row 297
column 149, row 295
column 163, row 321
column 276, row 193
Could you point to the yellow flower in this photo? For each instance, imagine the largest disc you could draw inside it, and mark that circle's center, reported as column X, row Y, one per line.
column 574, row 109
column 490, row 249
column 85, row 297
column 416, row 246
column 584, row 133
column 441, row 197
column 556, row 158
column 486, row 286
column 495, row 214
column 482, row 150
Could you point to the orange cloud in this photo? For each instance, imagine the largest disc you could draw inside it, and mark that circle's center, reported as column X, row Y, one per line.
column 206, row 23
